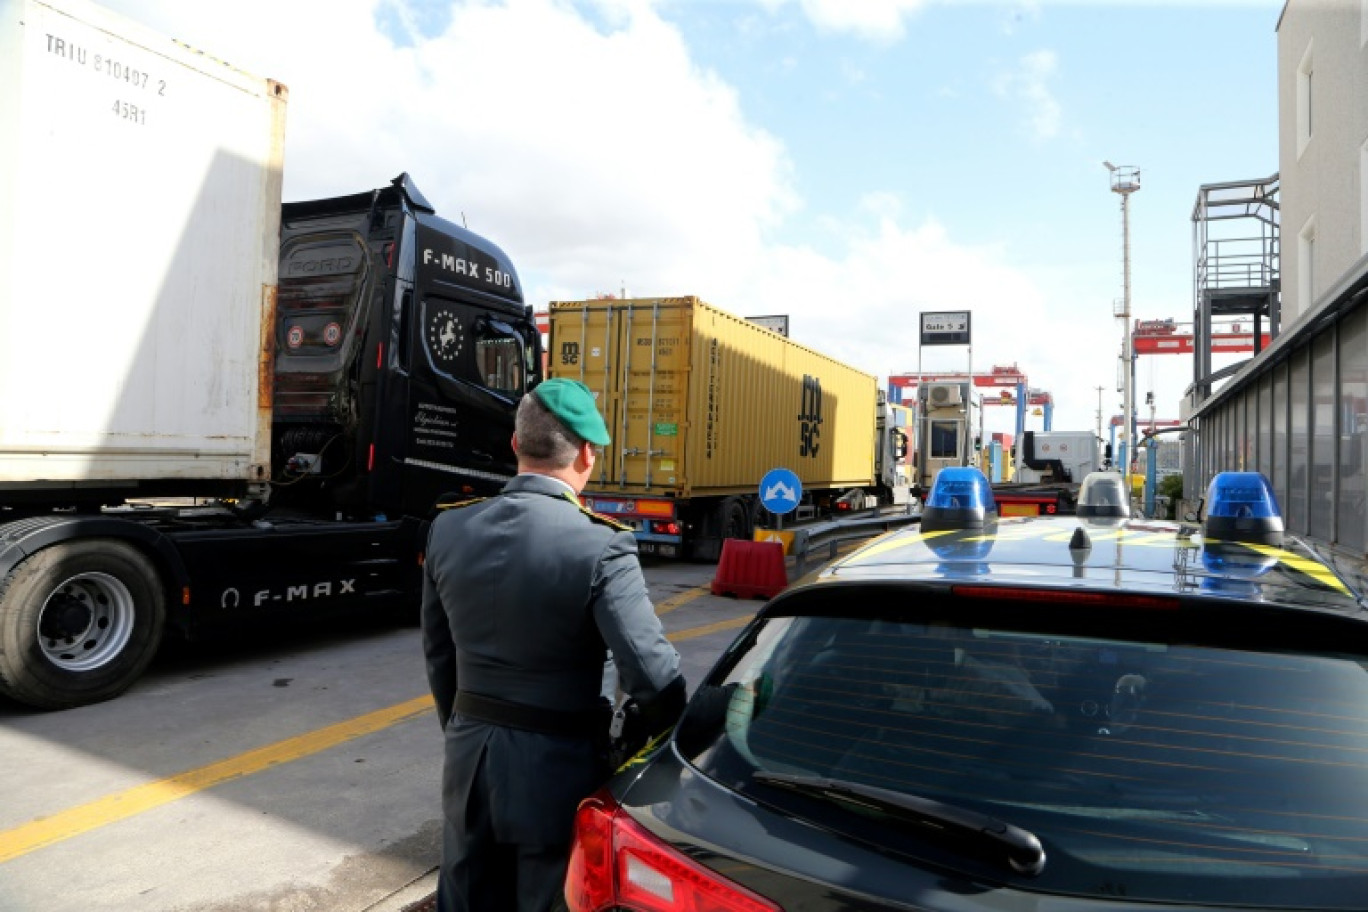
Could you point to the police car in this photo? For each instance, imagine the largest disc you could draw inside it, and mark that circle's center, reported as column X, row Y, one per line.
column 1063, row 713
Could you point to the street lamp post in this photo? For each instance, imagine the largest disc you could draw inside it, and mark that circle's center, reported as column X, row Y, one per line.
column 1125, row 180
column 1099, row 413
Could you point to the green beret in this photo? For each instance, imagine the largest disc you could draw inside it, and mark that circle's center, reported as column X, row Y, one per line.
column 573, row 404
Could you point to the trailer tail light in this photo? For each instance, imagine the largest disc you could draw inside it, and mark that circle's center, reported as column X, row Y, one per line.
column 842, row 506
column 1050, row 508
column 665, row 528
column 616, row 863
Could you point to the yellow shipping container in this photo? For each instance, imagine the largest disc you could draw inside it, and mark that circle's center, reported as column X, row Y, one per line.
column 701, row 403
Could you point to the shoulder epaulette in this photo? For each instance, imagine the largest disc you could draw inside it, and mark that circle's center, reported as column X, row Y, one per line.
column 605, row 520
column 595, row 517
column 457, row 504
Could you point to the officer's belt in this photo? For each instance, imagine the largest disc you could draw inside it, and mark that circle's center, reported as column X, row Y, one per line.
column 529, row 718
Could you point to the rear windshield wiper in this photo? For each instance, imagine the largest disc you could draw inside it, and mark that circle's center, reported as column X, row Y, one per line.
column 1024, row 853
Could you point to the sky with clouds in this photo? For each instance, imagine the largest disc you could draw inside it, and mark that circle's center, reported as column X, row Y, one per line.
column 849, row 163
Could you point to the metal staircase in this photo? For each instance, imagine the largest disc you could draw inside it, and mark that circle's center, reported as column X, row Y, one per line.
column 1236, row 268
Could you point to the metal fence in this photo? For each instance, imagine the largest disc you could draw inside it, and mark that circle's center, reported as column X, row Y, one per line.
column 818, row 542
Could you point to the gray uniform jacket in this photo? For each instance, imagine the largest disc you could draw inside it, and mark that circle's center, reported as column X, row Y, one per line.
column 524, row 594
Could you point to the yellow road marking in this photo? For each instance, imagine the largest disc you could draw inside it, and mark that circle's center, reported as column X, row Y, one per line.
column 692, row 632
column 680, row 599
column 63, row 825
column 886, row 545
column 121, row 805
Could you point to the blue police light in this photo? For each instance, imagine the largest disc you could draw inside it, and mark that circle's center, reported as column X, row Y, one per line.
column 961, row 498
column 1240, row 507
column 1236, row 561
column 959, row 557
column 1103, row 494
column 1233, row 569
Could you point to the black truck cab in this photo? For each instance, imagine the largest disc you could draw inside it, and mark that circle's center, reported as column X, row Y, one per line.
column 402, row 348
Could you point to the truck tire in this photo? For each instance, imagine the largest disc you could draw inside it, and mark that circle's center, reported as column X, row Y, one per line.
column 760, row 517
column 735, row 519
column 79, row 622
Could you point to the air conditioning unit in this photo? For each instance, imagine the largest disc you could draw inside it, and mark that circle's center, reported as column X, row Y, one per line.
column 944, row 394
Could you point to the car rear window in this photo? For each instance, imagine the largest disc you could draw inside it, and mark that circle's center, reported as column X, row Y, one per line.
column 1148, row 769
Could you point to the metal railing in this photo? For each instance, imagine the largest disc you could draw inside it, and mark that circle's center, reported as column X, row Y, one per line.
column 810, row 541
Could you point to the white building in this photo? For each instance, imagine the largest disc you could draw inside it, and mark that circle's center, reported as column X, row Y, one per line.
column 1322, row 146
column 1298, row 411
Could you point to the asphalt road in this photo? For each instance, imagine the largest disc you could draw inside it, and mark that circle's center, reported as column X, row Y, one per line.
column 277, row 770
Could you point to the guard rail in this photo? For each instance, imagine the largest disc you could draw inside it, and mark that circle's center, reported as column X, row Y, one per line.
column 810, row 540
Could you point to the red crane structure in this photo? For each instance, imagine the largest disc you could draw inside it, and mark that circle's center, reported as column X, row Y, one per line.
column 1009, row 381
column 1169, row 337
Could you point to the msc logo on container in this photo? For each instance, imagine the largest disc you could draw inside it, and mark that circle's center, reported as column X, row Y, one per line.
column 810, row 417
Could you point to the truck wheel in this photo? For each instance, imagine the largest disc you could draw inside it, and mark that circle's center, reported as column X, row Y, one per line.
column 79, row 622
column 762, row 518
column 736, row 521
column 727, row 519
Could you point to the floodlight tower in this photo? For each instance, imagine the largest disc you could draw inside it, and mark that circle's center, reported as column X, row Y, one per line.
column 1125, row 180
column 1099, row 413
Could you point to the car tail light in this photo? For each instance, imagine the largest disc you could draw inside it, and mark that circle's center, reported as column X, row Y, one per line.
column 616, row 864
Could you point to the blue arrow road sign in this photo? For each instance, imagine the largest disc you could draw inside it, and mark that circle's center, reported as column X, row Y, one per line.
column 780, row 491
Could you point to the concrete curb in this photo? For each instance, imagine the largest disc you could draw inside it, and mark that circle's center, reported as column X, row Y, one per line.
column 417, row 896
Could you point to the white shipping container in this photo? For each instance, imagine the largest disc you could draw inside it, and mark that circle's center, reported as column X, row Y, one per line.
column 140, row 186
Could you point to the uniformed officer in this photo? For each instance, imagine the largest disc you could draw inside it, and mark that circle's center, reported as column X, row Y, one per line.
column 524, row 597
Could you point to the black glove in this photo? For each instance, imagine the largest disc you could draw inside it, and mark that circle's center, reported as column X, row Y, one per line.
column 635, row 724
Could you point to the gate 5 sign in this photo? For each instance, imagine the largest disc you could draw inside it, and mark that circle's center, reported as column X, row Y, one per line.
column 945, row 328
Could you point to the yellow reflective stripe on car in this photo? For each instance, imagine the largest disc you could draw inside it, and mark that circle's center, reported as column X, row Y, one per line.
column 1020, row 531
column 1116, row 537
column 884, row 546
column 1304, row 565
column 1094, row 535
column 1131, row 537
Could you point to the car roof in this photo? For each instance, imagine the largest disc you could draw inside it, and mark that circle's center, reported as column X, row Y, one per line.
column 1130, row 555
